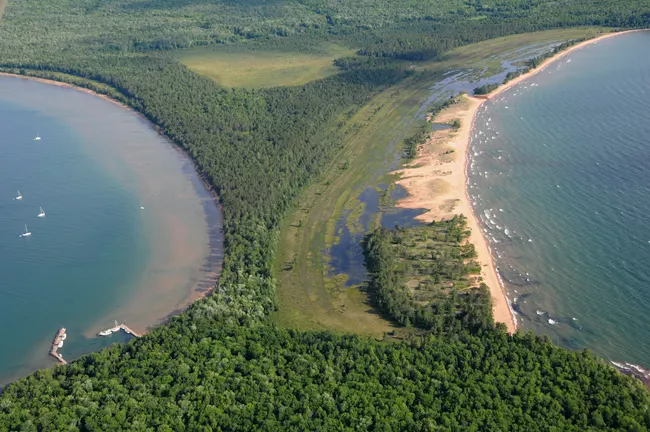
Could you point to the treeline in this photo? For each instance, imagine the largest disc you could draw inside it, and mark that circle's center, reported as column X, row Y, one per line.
column 421, row 277
column 200, row 376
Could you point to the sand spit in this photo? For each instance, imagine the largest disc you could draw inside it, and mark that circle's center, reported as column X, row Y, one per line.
column 437, row 178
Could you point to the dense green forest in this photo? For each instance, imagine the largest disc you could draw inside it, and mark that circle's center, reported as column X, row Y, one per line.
column 426, row 277
column 219, row 365
column 196, row 377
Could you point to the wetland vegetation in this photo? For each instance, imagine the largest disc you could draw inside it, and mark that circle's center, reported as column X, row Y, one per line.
column 286, row 161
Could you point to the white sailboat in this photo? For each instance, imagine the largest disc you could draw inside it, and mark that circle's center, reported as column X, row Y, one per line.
column 37, row 137
column 26, row 233
column 19, row 196
column 41, row 213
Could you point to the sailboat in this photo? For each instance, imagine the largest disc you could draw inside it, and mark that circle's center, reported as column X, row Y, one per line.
column 41, row 213
column 37, row 137
column 19, row 196
column 26, row 233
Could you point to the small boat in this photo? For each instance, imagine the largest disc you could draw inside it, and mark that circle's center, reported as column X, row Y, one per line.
column 26, row 233
column 105, row 332
column 64, row 336
column 60, row 344
column 41, row 213
column 19, row 196
column 37, row 137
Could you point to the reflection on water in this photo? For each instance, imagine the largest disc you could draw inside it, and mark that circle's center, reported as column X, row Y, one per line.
column 347, row 254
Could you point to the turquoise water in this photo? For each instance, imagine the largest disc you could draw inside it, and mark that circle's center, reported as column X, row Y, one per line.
column 96, row 256
column 560, row 176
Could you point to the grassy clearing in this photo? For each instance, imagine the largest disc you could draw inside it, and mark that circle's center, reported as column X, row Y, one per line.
column 308, row 298
column 263, row 68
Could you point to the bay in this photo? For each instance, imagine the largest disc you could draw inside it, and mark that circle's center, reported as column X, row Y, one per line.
column 130, row 232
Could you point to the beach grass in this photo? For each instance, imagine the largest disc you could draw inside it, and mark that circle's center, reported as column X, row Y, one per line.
column 255, row 69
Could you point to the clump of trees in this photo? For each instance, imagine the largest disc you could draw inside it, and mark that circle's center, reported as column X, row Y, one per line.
column 422, row 277
column 485, row 89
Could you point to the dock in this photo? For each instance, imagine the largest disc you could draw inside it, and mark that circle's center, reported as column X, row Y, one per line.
column 58, row 340
column 117, row 328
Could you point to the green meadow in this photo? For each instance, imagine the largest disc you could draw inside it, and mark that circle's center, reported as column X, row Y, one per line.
column 254, row 69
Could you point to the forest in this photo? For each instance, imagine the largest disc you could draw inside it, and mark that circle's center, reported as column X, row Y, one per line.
column 220, row 365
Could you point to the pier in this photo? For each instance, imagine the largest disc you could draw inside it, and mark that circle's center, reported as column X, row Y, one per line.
column 58, row 343
column 117, row 328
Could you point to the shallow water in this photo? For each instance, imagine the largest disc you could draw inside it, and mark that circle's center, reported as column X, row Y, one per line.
column 560, row 175
column 97, row 256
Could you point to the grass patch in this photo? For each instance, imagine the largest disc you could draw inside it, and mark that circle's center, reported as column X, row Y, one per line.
column 255, row 69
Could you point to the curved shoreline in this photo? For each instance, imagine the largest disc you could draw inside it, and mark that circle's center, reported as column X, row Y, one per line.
column 213, row 261
column 502, row 295
column 438, row 182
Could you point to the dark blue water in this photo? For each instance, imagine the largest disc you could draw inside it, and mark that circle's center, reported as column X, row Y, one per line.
column 560, row 172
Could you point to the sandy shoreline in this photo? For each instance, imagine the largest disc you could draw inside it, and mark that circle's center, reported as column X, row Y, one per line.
column 553, row 59
column 437, row 178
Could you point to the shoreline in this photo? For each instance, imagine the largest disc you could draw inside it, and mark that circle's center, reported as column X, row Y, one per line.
column 437, row 181
column 77, row 88
column 531, row 73
column 443, row 189
column 214, row 257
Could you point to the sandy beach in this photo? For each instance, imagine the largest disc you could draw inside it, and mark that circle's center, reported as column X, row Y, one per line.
column 437, row 178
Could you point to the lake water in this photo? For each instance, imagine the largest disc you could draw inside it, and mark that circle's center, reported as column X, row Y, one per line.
column 560, row 172
column 130, row 233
